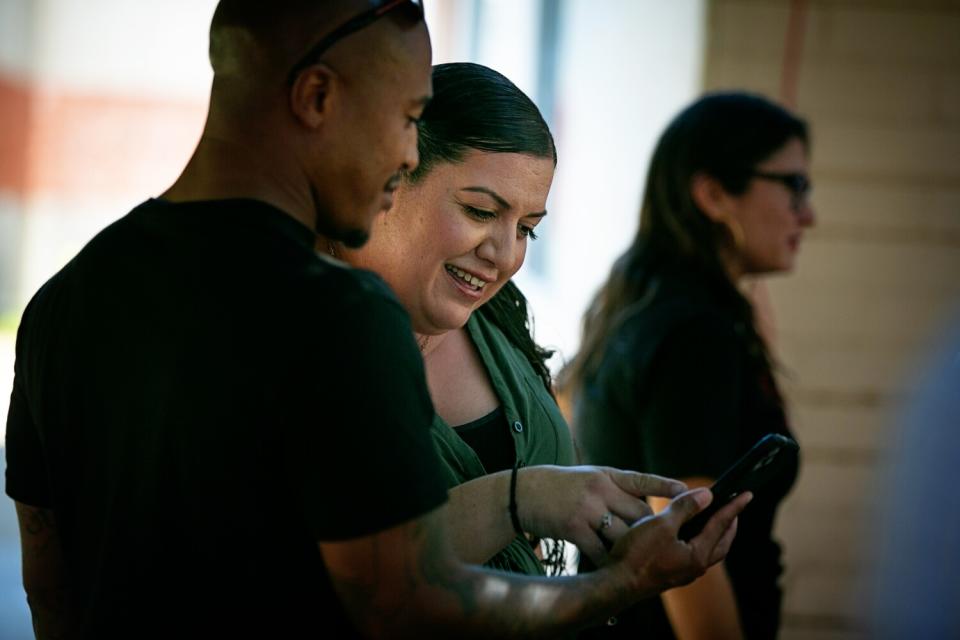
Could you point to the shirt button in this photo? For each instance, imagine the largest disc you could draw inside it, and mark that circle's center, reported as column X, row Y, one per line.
column 518, row 427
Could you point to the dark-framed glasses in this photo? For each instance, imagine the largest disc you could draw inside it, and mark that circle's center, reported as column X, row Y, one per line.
column 798, row 184
column 352, row 25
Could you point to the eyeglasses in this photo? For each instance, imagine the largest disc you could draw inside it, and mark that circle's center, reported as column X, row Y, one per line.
column 798, row 184
column 351, row 26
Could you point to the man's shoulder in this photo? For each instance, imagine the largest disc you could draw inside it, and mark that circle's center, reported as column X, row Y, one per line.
column 369, row 284
column 334, row 307
column 336, row 282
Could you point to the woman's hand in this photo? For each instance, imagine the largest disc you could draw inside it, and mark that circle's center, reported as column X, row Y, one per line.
column 592, row 507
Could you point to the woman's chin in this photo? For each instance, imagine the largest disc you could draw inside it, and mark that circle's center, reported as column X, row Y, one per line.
column 443, row 322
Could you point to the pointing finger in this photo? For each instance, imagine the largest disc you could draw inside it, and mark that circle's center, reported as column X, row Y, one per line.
column 646, row 484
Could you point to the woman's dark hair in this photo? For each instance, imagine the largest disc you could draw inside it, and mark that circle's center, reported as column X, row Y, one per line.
column 474, row 108
column 723, row 135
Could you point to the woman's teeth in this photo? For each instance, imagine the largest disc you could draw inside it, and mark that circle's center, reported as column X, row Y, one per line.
column 476, row 283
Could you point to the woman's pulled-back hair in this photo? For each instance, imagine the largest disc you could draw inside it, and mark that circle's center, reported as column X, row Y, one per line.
column 474, row 108
column 723, row 135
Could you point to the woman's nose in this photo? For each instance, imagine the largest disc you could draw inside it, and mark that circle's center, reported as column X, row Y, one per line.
column 497, row 248
column 805, row 214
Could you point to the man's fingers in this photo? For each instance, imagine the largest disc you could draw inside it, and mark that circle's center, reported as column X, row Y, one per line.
column 720, row 551
column 719, row 525
column 687, row 505
column 646, row 484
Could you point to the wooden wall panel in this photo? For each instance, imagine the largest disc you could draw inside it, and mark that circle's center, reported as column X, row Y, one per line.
column 880, row 84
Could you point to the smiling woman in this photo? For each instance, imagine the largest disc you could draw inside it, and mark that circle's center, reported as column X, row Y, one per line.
column 469, row 223
column 456, row 233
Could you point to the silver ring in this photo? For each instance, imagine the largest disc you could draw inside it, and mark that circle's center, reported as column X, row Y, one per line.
column 605, row 521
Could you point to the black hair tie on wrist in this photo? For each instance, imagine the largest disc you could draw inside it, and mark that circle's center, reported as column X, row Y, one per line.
column 514, row 518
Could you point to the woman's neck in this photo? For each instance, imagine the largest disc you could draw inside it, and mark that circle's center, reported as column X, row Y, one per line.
column 429, row 342
column 732, row 266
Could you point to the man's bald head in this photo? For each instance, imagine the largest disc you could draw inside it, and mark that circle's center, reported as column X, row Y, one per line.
column 337, row 124
column 261, row 41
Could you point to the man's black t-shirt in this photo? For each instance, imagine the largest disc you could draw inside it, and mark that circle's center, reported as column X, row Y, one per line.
column 200, row 398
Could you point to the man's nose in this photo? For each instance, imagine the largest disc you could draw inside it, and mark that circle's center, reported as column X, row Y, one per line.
column 411, row 158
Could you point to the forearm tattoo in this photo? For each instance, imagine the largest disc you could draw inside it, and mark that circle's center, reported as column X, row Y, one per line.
column 415, row 582
column 436, row 573
column 44, row 579
column 41, row 529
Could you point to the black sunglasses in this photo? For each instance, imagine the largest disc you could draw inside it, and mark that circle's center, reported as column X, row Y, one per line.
column 352, row 25
column 798, row 184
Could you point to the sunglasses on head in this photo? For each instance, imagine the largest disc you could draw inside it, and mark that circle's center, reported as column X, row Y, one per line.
column 352, row 25
column 798, row 184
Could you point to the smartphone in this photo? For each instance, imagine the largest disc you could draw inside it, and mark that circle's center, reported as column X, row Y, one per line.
column 764, row 462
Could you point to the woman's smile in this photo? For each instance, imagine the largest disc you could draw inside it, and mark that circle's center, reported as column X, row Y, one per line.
column 468, row 283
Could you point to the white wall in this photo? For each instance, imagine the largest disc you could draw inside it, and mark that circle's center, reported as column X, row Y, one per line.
column 153, row 48
column 626, row 67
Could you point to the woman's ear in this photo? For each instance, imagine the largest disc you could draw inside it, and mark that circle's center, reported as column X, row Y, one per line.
column 710, row 197
column 312, row 95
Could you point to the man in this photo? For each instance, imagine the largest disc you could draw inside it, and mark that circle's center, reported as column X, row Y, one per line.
column 213, row 432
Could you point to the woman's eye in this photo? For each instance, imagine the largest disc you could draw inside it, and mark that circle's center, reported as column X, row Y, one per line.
column 479, row 214
column 526, row 232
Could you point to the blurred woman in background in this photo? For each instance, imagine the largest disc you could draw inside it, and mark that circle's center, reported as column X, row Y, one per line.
column 672, row 376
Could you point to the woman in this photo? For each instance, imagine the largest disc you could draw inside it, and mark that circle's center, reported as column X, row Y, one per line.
column 456, row 233
column 673, row 376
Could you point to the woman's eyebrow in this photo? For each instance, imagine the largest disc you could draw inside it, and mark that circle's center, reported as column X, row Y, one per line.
column 490, row 192
column 501, row 201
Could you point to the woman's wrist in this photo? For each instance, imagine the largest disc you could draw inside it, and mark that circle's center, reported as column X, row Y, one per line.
column 513, row 507
column 536, row 492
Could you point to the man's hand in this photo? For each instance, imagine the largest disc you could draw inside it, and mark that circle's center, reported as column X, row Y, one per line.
column 406, row 581
column 658, row 560
column 592, row 507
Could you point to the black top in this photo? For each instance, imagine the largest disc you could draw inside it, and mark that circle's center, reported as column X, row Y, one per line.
column 200, row 399
column 683, row 390
column 490, row 438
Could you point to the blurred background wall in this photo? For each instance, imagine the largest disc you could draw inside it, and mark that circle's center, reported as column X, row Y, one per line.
column 880, row 83
column 101, row 102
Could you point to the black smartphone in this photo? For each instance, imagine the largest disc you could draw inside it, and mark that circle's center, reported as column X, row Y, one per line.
column 764, row 462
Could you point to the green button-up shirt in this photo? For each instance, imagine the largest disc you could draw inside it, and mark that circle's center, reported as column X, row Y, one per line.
column 540, row 434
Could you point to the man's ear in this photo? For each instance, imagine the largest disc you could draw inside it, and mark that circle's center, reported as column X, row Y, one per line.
column 710, row 197
column 312, row 95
